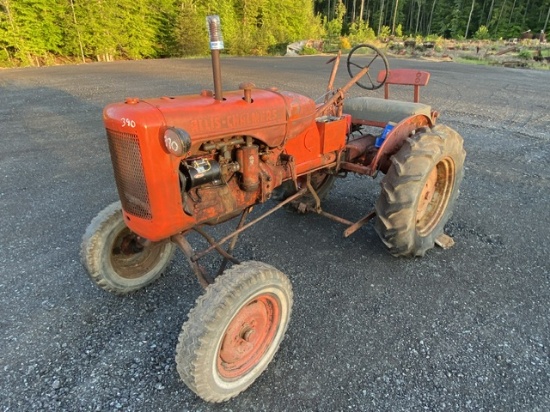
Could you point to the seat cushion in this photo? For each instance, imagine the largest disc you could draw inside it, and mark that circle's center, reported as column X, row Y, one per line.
column 373, row 109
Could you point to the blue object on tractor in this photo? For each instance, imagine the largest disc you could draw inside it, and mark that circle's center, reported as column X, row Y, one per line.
column 380, row 139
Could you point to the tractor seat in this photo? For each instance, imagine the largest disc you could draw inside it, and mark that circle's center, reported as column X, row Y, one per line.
column 379, row 112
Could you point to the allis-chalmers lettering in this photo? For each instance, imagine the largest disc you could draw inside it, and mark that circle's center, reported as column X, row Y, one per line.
column 234, row 121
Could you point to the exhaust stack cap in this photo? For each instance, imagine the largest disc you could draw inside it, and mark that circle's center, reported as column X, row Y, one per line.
column 214, row 32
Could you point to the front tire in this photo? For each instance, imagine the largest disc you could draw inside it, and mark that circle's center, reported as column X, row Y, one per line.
column 419, row 191
column 234, row 331
column 114, row 259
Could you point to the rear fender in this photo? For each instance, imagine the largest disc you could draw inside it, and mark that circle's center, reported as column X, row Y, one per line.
column 395, row 139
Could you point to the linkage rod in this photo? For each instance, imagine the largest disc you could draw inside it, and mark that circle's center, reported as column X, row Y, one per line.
column 203, row 277
column 212, row 241
column 233, row 243
column 197, row 256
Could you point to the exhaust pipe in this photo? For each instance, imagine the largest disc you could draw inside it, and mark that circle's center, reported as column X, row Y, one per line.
column 216, row 44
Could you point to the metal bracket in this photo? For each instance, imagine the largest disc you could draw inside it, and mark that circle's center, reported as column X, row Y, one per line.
column 204, row 278
column 233, row 243
column 200, row 272
column 352, row 227
column 359, row 224
column 313, row 193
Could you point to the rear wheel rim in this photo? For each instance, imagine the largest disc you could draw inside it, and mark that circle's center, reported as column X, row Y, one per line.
column 248, row 336
column 435, row 196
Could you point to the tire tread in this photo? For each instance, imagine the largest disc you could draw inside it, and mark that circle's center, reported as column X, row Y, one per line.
column 403, row 183
column 210, row 308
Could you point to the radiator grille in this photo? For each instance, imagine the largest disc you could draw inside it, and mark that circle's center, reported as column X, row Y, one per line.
column 128, row 168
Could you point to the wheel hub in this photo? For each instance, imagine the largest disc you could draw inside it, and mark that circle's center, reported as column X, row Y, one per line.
column 131, row 258
column 248, row 336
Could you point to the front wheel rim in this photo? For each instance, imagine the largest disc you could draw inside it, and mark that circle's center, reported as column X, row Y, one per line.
column 248, row 336
column 132, row 264
column 435, row 196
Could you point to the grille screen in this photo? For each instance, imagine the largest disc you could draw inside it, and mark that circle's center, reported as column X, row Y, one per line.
column 128, row 167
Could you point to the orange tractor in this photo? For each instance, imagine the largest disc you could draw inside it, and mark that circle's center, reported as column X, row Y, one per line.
column 183, row 163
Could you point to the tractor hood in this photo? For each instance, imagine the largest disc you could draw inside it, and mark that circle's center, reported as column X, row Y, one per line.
column 271, row 116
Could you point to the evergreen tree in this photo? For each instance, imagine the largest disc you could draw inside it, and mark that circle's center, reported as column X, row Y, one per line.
column 35, row 32
column 191, row 34
column 32, row 31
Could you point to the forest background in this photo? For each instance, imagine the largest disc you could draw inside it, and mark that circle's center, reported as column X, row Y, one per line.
column 42, row 32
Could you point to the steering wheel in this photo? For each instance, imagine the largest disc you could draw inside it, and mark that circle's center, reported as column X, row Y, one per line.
column 374, row 58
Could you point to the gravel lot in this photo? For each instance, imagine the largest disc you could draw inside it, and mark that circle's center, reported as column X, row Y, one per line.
column 462, row 329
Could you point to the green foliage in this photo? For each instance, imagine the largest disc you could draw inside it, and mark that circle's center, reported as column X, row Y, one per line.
column 278, row 49
column 333, row 29
column 385, row 32
column 345, row 43
column 30, row 30
column 164, row 19
column 191, row 33
column 482, row 33
column 308, row 51
column 34, row 32
column 399, row 30
column 37, row 32
column 472, row 60
column 5, row 59
column 525, row 54
column 360, row 32
column 438, row 41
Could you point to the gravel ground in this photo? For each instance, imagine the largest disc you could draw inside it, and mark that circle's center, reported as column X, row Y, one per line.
column 462, row 329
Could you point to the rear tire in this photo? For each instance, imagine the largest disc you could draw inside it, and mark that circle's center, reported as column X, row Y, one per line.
column 419, row 191
column 234, row 331
column 114, row 270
